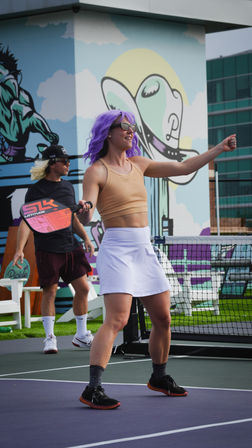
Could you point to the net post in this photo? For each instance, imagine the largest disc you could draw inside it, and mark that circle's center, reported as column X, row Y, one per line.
column 217, row 199
column 130, row 331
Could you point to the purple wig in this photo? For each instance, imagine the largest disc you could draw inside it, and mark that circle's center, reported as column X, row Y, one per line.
column 98, row 144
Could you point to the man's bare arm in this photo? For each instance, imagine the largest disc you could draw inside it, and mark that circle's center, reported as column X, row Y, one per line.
column 22, row 238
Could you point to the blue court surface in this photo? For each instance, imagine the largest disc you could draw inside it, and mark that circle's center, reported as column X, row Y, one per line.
column 40, row 404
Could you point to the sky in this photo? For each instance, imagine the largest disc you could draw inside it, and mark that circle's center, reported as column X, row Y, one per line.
column 227, row 43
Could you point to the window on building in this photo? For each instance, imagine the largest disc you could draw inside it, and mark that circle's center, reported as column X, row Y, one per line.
column 215, row 91
column 242, row 64
column 243, row 88
column 218, row 120
column 217, row 68
column 229, row 67
column 211, row 95
column 229, row 89
column 243, row 116
column 244, row 134
column 230, row 118
column 250, row 85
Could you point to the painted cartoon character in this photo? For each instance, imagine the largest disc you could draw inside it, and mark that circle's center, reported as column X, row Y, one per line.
column 158, row 110
column 18, row 117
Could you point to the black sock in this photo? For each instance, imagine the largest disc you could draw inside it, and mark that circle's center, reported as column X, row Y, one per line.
column 159, row 370
column 95, row 375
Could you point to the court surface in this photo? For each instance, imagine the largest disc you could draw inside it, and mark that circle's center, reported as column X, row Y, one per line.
column 40, row 404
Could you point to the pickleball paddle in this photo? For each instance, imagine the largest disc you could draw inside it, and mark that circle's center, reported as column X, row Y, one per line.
column 47, row 215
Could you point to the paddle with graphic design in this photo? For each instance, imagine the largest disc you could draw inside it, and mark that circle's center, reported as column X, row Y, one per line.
column 47, row 215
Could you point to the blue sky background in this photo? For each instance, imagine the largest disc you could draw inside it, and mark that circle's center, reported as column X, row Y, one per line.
column 227, row 43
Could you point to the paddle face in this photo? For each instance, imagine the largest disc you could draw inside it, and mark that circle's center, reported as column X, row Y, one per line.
column 46, row 215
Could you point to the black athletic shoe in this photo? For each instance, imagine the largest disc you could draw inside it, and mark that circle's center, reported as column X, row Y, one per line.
column 167, row 386
column 97, row 399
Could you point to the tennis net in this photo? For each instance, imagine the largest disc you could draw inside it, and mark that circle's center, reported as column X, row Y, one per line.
column 211, row 287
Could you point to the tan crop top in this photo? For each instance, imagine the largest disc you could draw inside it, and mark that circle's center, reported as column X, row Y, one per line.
column 122, row 194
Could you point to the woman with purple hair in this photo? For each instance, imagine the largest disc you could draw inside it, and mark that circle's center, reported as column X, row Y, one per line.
column 126, row 262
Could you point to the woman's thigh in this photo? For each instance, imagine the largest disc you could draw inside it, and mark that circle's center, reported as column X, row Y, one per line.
column 117, row 306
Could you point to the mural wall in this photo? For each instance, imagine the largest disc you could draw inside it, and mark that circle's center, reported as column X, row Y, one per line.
column 59, row 71
column 33, row 54
column 156, row 70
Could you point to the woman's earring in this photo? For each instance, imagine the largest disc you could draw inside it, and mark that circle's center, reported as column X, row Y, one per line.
column 109, row 136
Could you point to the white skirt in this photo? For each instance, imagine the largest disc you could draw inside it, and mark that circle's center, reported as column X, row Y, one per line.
column 127, row 263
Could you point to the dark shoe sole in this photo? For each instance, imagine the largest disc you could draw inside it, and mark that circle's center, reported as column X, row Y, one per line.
column 96, row 406
column 50, row 352
column 85, row 347
column 166, row 392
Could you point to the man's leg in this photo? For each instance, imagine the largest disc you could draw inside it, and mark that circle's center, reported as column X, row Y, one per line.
column 83, row 338
column 48, row 318
column 158, row 308
column 117, row 315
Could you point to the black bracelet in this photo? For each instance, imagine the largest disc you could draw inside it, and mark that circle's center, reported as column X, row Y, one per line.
column 90, row 203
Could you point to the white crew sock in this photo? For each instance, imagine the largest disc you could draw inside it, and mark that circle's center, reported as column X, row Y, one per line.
column 48, row 322
column 81, row 323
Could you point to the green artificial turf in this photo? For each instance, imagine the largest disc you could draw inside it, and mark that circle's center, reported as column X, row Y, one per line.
column 239, row 310
column 231, row 310
column 37, row 329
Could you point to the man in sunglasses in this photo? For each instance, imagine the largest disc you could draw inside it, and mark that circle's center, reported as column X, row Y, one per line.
column 58, row 254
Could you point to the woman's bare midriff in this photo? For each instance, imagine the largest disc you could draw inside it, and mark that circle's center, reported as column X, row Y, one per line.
column 132, row 220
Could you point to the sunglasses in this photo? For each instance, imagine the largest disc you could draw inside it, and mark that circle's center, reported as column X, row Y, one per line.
column 62, row 160
column 124, row 126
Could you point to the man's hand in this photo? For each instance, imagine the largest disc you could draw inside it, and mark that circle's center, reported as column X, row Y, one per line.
column 89, row 246
column 19, row 256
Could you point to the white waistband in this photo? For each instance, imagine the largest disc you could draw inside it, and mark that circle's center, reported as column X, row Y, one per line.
column 129, row 235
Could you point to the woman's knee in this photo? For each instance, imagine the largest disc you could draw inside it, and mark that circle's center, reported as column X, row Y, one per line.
column 162, row 321
column 117, row 323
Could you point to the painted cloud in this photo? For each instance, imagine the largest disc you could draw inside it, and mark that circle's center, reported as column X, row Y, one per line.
column 59, row 106
column 194, row 123
column 86, row 27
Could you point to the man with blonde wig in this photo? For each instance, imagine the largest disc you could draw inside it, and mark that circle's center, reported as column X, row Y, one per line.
column 58, row 254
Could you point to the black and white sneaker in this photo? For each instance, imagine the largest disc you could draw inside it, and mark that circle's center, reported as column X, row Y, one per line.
column 167, row 386
column 84, row 341
column 96, row 398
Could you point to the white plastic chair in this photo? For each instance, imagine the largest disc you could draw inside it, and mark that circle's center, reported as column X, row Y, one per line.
column 12, row 306
column 184, row 296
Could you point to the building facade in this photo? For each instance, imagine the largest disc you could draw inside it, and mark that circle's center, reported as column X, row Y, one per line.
column 229, row 89
column 87, row 63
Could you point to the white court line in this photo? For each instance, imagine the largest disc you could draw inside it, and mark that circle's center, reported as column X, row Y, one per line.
column 122, row 384
column 164, row 433
column 69, row 368
column 77, row 367
column 41, row 371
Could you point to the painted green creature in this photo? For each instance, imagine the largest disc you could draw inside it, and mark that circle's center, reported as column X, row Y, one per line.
column 18, row 117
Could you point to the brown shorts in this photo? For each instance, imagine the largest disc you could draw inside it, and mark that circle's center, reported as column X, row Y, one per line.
column 69, row 266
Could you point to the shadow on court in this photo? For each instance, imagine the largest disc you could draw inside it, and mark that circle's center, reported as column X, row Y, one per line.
column 40, row 401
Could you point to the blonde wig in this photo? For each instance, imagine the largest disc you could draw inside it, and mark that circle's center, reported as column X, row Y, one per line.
column 40, row 169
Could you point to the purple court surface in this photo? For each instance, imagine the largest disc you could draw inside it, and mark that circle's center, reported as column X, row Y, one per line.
column 40, row 404
column 44, row 413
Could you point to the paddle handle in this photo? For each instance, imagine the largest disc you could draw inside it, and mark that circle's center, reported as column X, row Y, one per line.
column 78, row 207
